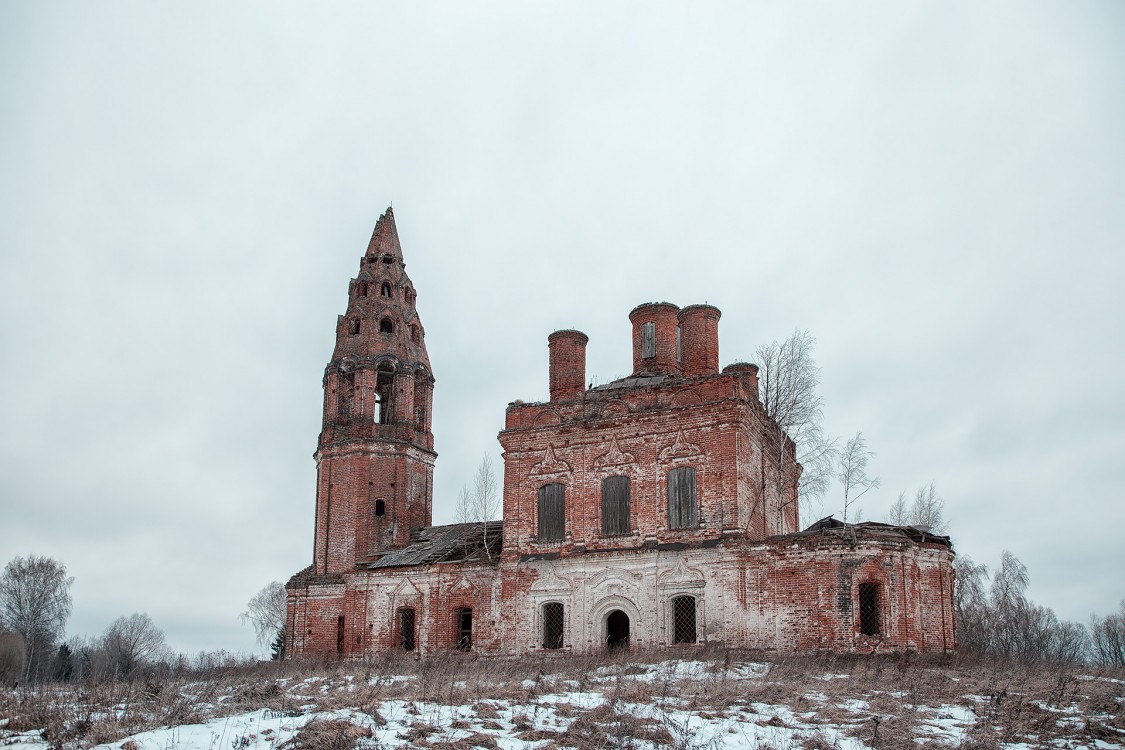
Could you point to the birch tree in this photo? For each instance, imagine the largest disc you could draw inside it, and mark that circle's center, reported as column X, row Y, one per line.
column 480, row 501
column 788, row 382
column 35, row 602
column 853, row 471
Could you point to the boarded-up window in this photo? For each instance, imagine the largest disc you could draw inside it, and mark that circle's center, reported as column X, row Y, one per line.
column 551, row 499
column 869, row 608
column 679, row 345
column 553, row 625
column 464, row 623
column 615, row 505
column 648, row 340
column 682, row 513
column 683, row 620
column 406, row 629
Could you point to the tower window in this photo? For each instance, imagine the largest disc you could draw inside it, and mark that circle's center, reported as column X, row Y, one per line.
column 414, row 333
column 345, row 397
column 361, row 289
column 355, row 326
column 380, row 507
column 406, row 629
column 464, row 621
column 869, row 608
column 551, row 510
column 553, row 625
column 388, row 258
column 648, row 340
column 682, row 511
column 615, row 506
column 385, row 326
column 384, row 385
column 683, row 620
column 385, row 290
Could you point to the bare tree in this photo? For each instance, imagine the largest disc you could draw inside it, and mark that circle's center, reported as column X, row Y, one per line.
column 853, row 471
column 926, row 512
column 480, row 501
column 266, row 612
column 1108, row 638
column 788, row 382
column 35, row 602
column 132, row 641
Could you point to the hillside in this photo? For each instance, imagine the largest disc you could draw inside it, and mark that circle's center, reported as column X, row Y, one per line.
column 719, row 701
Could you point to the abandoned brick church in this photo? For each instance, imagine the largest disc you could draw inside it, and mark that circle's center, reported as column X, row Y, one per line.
column 636, row 514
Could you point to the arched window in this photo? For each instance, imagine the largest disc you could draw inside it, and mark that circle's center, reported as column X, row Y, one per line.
column 682, row 511
column 869, row 609
column 464, row 623
column 683, row 620
column 345, row 397
column 615, row 506
column 385, row 290
column 385, row 326
column 384, row 386
column 552, row 498
column 380, row 507
column 406, row 629
column 553, row 625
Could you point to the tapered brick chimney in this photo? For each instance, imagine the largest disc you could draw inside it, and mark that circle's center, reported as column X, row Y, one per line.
column 568, row 364
column 655, row 350
column 699, row 340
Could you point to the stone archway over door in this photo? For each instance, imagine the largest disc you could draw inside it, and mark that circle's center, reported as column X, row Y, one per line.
column 617, row 630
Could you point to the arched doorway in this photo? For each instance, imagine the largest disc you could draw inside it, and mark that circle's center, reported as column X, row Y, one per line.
column 617, row 630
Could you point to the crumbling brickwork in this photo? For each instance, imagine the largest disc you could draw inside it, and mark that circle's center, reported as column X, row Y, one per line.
column 643, row 513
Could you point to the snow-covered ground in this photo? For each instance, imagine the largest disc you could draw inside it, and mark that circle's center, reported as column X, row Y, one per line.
column 673, row 703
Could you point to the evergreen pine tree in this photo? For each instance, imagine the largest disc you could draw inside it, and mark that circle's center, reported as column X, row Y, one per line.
column 277, row 649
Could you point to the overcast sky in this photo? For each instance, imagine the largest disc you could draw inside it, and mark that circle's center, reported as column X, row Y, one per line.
column 936, row 190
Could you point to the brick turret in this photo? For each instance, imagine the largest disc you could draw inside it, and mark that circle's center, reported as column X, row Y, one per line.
column 656, row 336
column 375, row 454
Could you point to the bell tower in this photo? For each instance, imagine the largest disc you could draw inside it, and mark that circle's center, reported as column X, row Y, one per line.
column 375, row 456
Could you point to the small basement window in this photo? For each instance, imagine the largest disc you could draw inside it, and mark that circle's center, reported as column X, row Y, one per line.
column 385, row 326
column 869, row 608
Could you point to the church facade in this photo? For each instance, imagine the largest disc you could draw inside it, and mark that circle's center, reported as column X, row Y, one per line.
column 656, row 511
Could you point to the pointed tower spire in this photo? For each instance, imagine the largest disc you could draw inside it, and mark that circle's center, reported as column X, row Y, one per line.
column 385, row 237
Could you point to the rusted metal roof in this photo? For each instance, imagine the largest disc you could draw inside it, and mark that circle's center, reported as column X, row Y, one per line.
column 458, row 542
column 871, row 529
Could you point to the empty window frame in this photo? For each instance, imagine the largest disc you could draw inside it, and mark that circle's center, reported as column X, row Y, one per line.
column 385, row 290
column 683, row 620
column 406, row 637
column 384, row 387
column 361, row 289
column 869, row 609
column 386, row 326
column 380, row 507
column 648, row 340
column 615, row 506
column 464, row 624
column 355, row 326
column 682, row 510
column 552, row 499
column 553, row 625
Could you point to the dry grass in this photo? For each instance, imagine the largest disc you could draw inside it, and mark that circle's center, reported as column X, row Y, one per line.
column 883, row 701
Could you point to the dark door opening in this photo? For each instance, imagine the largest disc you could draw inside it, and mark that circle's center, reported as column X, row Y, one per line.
column 617, row 630
column 464, row 629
